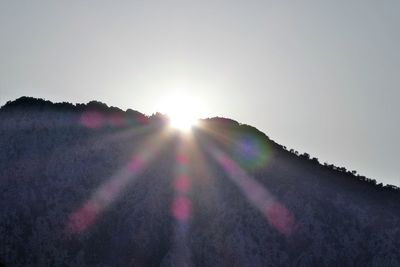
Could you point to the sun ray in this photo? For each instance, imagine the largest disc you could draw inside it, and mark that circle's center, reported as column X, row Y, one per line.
column 276, row 214
column 181, row 206
column 108, row 139
column 85, row 216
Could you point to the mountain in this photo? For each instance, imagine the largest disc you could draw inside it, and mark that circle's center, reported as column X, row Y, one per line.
column 92, row 185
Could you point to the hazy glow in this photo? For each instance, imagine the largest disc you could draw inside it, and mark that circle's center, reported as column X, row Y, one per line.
column 283, row 68
column 182, row 110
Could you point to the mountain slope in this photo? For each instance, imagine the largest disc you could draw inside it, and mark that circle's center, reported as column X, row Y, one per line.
column 89, row 185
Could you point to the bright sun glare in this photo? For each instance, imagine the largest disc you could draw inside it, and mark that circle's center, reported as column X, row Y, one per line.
column 182, row 110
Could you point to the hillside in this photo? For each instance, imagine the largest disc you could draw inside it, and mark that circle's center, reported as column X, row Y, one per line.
column 92, row 185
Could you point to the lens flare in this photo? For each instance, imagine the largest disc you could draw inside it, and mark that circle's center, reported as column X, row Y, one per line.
column 182, row 184
column 85, row 216
column 181, row 206
column 97, row 119
column 276, row 214
column 246, row 146
column 250, row 151
column 92, row 119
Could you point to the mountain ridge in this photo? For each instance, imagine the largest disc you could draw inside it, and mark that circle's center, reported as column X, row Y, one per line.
column 89, row 185
column 97, row 106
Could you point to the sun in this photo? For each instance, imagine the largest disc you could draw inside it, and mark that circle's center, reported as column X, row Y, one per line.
column 182, row 122
column 182, row 110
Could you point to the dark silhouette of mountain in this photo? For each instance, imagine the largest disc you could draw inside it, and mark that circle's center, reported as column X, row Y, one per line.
column 92, row 185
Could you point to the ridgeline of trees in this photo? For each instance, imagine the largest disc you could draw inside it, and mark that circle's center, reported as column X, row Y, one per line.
column 219, row 122
column 38, row 104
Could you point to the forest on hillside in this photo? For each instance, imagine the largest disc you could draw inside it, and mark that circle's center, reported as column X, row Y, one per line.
column 92, row 185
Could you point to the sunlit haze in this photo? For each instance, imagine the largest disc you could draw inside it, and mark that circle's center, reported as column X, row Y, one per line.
column 182, row 110
column 199, row 133
column 320, row 77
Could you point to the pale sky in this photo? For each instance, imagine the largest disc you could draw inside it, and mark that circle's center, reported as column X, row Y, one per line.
column 317, row 76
